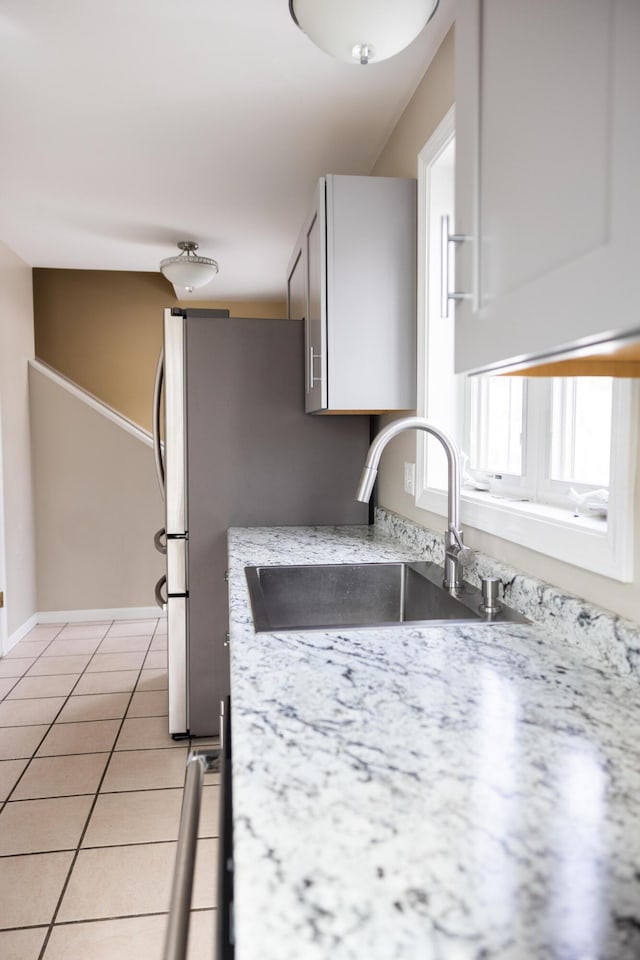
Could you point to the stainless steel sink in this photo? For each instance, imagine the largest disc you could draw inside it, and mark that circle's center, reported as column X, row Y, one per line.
column 318, row 596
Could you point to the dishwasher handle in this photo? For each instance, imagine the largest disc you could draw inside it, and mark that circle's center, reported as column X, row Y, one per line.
column 225, row 932
column 177, row 933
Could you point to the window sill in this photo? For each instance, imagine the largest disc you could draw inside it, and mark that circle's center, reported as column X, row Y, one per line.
column 532, row 508
column 592, row 543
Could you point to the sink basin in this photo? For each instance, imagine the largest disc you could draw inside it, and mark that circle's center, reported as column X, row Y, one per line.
column 318, row 596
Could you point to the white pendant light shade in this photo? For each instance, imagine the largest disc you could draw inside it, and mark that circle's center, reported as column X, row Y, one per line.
column 188, row 270
column 362, row 31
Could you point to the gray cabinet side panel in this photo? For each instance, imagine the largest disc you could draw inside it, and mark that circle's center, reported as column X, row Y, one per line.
column 254, row 458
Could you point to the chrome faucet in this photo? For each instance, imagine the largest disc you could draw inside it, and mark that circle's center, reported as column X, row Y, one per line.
column 456, row 555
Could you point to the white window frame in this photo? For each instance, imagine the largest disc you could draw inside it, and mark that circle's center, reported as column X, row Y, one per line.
column 515, row 482
column 603, row 547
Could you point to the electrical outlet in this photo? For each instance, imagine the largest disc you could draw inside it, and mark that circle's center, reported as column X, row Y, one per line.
column 409, row 478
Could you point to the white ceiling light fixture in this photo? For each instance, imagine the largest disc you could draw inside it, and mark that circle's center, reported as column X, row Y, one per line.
column 188, row 270
column 362, row 31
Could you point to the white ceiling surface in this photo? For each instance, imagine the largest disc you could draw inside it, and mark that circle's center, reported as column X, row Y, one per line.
column 128, row 125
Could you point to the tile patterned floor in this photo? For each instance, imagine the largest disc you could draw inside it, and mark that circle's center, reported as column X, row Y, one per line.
column 90, row 795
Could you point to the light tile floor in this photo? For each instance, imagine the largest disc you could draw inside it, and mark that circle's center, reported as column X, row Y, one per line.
column 90, row 795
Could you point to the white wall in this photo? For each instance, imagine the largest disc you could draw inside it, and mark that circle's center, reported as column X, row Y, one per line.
column 16, row 349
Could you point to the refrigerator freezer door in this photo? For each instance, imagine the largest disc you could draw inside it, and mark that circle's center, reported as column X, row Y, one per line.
column 177, row 662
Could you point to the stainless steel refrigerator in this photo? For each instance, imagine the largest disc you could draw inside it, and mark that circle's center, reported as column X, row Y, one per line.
column 238, row 451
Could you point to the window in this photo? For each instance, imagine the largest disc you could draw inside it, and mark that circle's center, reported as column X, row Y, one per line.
column 547, row 440
column 537, row 452
column 494, row 401
column 580, row 425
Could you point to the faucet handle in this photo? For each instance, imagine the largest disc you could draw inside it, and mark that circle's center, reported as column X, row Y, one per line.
column 456, row 547
column 465, row 556
column 456, row 557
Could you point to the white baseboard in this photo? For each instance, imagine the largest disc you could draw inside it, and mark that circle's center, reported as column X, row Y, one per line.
column 82, row 616
column 21, row 632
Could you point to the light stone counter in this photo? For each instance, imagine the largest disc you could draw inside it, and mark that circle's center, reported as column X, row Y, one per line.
column 411, row 792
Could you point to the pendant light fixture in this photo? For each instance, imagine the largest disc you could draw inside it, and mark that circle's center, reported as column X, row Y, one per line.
column 362, row 31
column 188, row 270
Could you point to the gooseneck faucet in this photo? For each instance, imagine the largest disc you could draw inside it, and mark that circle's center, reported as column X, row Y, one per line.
column 456, row 555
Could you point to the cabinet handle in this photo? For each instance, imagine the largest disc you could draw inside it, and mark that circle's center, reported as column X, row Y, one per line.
column 312, row 376
column 446, row 239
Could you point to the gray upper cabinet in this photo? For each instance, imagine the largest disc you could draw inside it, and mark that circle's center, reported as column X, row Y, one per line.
column 357, row 253
column 547, row 183
column 296, row 296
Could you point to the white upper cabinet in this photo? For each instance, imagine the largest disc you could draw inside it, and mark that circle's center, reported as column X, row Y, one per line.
column 357, row 251
column 547, row 177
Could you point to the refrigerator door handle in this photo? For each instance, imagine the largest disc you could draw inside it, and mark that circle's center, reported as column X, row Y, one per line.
column 156, row 417
column 160, row 599
column 160, row 540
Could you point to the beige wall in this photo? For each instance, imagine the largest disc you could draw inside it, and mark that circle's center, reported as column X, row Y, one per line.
column 431, row 101
column 16, row 348
column 103, row 330
column 433, row 97
column 98, row 506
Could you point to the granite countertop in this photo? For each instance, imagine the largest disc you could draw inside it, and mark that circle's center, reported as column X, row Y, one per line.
column 442, row 792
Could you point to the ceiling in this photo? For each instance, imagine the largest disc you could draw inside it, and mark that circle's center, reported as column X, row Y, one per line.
column 128, row 125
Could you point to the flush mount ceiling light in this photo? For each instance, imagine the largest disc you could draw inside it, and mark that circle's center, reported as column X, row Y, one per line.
column 362, row 31
column 188, row 270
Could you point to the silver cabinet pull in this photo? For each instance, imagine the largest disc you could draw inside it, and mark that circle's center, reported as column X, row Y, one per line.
column 177, row 932
column 160, row 599
column 312, row 376
column 156, row 418
column 223, row 705
column 446, row 239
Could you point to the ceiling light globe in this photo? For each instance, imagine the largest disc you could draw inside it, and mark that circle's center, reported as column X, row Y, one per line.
column 189, row 273
column 362, row 31
column 189, row 270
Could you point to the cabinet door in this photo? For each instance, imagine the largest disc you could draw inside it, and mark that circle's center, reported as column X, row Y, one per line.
column 296, row 294
column 316, row 326
column 547, row 185
column 371, row 292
